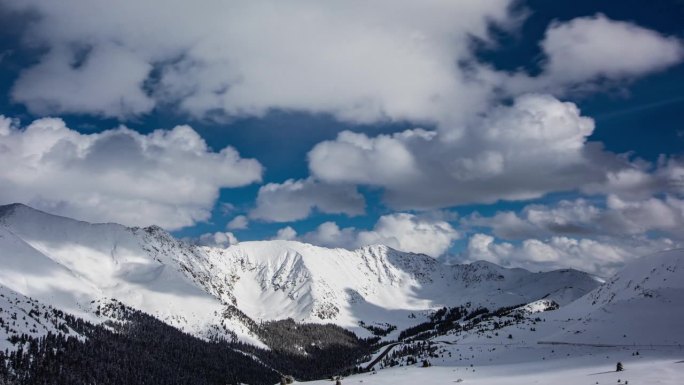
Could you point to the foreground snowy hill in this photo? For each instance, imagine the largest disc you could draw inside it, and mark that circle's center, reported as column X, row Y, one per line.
column 635, row 318
column 213, row 292
column 666, row 369
column 641, row 304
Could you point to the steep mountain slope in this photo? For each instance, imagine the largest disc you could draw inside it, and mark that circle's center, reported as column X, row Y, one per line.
column 71, row 265
column 74, row 265
column 374, row 284
column 20, row 315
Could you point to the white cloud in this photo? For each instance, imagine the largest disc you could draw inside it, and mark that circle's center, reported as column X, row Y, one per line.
column 589, row 54
column 329, row 234
column 652, row 214
column 286, row 234
column 536, row 220
column 108, row 83
column 643, row 180
column 218, row 239
column 359, row 61
column 599, row 256
column 408, row 232
column 240, row 222
column 296, row 199
column 168, row 177
column 523, row 151
column 401, row 231
column 616, row 217
column 598, row 48
column 579, row 233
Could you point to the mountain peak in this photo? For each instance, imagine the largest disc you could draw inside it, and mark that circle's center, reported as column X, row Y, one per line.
column 11, row 208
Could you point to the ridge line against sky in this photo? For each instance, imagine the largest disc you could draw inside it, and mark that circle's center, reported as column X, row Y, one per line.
column 520, row 132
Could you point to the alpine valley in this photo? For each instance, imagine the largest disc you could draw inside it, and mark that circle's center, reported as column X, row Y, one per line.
column 109, row 304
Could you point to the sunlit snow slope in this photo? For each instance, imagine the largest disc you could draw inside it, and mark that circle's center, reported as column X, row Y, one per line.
column 374, row 284
column 69, row 264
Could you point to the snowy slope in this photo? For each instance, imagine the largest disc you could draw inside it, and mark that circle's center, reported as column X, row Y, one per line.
column 375, row 284
column 642, row 306
column 634, row 318
column 69, row 264
column 21, row 315
column 585, row 369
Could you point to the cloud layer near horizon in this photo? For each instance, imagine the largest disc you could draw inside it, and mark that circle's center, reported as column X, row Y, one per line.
column 402, row 231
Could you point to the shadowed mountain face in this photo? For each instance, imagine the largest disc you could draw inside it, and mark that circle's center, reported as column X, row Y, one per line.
column 214, row 292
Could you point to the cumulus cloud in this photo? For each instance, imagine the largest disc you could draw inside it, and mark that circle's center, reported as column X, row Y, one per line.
column 349, row 59
column 296, row 199
column 408, row 232
column 640, row 217
column 168, row 177
column 523, row 151
column 643, row 180
column 286, row 234
column 217, row 239
column 596, row 236
column 580, row 217
column 599, row 256
column 240, row 222
column 109, row 82
column 401, row 231
column 592, row 49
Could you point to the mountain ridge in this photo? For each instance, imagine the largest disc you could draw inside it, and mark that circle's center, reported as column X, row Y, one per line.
column 201, row 289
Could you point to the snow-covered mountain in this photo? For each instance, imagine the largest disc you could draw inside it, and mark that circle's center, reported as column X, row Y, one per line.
column 51, row 267
column 374, row 284
column 641, row 304
column 74, row 266
column 22, row 315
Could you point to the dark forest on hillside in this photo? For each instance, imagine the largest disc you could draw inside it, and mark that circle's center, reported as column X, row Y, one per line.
column 144, row 350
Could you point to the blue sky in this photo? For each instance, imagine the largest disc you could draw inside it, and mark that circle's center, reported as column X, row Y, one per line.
column 528, row 133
